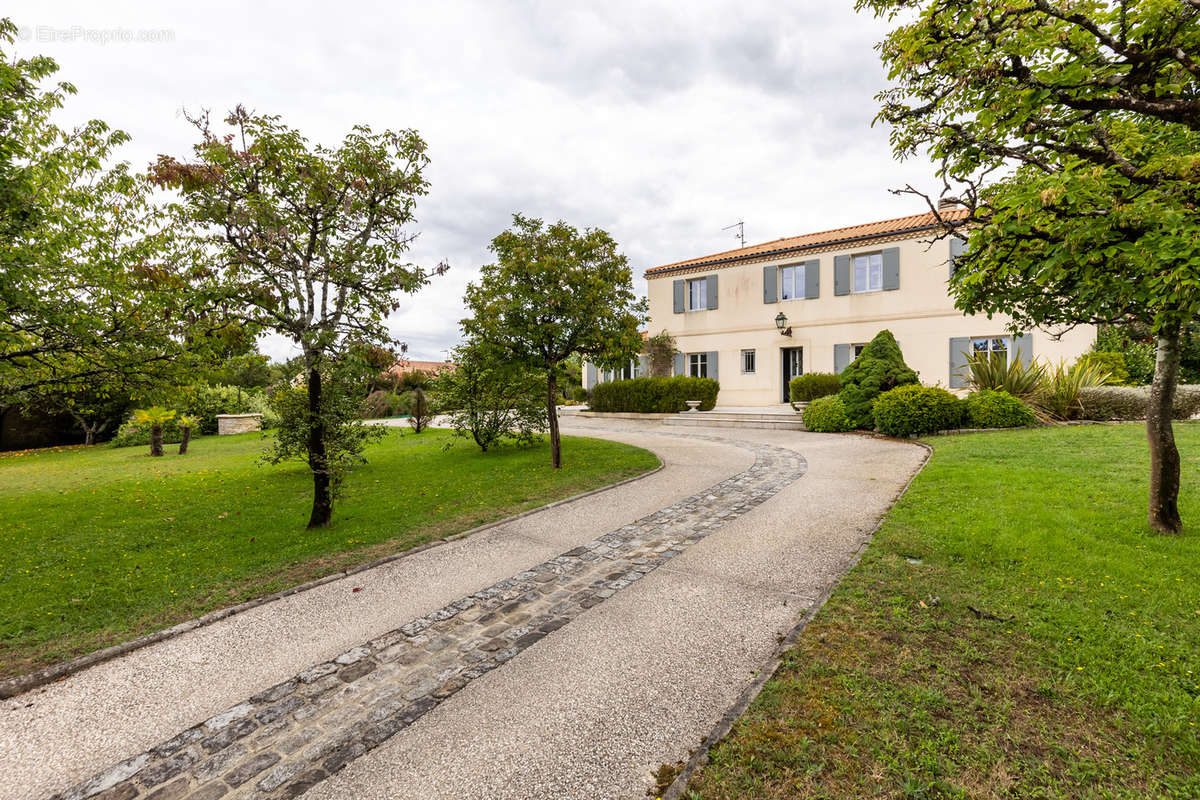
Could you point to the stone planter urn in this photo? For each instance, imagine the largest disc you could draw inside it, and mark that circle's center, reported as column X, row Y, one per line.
column 228, row 424
column 693, row 406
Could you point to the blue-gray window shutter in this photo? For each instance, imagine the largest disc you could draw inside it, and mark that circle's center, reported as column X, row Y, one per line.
column 680, row 289
column 891, row 268
column 712, row 364
column 841, row 275
column 591, row 376
column 680, row 364
column 643, row 366
column 841, row 357
column 710, row 284
column 1023, row 348
column 960, row 346
column 770, row 284
column 957, row 248
column 812, row 279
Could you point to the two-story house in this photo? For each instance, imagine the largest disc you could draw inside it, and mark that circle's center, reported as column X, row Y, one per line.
column 757, row 316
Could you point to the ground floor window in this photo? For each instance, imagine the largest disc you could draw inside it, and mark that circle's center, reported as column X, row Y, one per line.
column 698, row 365
column 747, row 362
column 998, row 345
column 856, row 350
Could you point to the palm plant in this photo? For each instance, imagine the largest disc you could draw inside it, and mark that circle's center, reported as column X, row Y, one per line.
column 155, row 417
column 186, row 423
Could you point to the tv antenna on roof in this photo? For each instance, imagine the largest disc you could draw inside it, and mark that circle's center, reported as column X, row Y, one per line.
column 741, row 234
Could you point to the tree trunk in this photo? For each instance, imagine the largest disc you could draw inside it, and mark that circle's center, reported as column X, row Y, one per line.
column 552, row 419
column 318, row 460
column 89, row 434
column 156, row 440
column 1164, row 456
column 183, row 443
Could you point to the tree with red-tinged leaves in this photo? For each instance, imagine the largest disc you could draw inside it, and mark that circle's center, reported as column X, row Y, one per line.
column 309, row 242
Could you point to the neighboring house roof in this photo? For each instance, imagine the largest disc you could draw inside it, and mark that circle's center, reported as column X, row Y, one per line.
column 914, row 223
column 401, row 367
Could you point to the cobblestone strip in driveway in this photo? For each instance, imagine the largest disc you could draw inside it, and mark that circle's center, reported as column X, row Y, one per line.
column 280, row 742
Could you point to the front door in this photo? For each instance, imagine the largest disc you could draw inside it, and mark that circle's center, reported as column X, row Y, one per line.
column 793, row 365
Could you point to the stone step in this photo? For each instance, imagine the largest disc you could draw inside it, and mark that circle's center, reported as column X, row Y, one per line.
column 763, row 422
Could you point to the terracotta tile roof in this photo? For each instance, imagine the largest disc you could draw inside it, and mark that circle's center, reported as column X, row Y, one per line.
column 869, row 230
column 401, row 367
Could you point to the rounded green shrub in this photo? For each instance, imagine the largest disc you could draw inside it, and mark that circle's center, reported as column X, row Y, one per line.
column 995, row 409
column 879, row 368
column 913, row 410
column 827, row 415
column 808, row 387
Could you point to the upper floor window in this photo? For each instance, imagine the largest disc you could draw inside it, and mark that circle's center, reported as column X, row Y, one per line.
column 698, row 365
column 697, row 294
column 792, row 282
column 868, row 272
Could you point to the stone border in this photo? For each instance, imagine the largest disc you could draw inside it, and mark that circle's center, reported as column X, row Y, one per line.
column 11, row 687
column 280, row 742
column 721, row 729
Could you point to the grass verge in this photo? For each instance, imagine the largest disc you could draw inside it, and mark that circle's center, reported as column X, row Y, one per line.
column 1014, row 630
column 100, row 545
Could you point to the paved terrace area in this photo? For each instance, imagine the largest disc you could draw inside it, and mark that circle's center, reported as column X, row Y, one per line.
column 563, row 655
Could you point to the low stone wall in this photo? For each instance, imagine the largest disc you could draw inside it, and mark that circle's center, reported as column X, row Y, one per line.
column 238, row 423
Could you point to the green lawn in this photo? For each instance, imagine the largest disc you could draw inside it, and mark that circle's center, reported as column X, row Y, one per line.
column 1088, row 684
column 99, row 545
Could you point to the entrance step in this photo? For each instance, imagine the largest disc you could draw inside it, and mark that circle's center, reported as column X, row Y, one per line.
column 716, row 419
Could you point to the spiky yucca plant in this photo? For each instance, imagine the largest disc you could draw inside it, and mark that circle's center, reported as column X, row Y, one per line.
column 997, row 372
column 1058, row 395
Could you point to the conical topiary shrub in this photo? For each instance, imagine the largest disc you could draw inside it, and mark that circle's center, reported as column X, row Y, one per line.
column 878, row 368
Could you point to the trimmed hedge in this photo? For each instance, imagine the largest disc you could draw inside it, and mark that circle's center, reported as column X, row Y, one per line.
column 132, row 434
column 913, row 410
column 879, row 368
column 1131, row 402
column 654, row 395
column 808, row 387
column 827, row 415
column 996, row 409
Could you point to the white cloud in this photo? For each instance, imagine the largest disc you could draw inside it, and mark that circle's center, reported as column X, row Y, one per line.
column 660, row 122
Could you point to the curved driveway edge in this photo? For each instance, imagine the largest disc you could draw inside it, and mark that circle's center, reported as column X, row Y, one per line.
column 625, row 628
column 63, row 732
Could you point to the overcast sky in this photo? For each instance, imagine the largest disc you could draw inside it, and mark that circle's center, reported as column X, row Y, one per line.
column 659, row 122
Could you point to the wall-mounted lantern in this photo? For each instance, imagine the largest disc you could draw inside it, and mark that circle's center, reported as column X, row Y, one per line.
column 782, row 325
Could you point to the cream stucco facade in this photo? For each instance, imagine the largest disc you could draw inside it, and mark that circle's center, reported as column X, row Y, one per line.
column 827, row 324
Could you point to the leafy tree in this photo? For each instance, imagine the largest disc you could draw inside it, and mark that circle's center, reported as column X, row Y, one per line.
column 154, row 417
column 94, row 407
column 660, row 353
column 879, row 368
column 554, row 291
column 489, row 399
column 1097, row 106
column 338, row 419
column 306, row 241
column 86, row 295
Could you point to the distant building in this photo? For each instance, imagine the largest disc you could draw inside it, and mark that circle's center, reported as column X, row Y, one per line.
column 432, row 367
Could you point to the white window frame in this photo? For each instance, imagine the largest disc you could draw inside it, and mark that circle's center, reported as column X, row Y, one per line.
column 791, row 282
column 872, row 265
column 856, row 350
column 752, row 361
column 992, row 344
column 697, row 294
column 697, row 366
